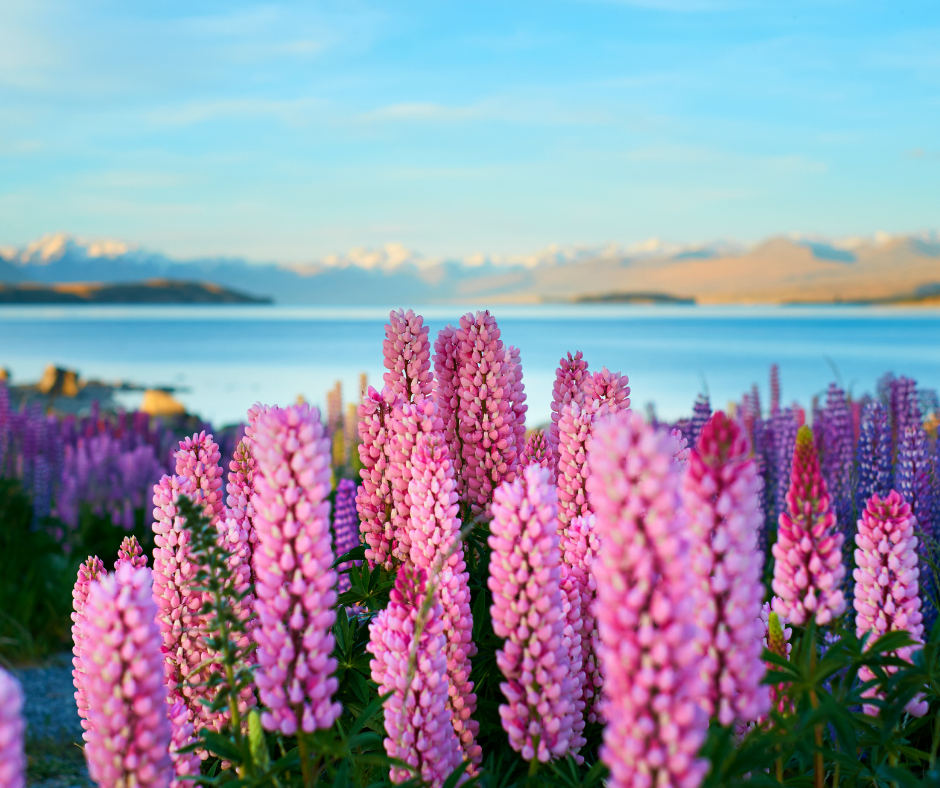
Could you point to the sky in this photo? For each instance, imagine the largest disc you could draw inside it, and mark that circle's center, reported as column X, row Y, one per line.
column 287, row 132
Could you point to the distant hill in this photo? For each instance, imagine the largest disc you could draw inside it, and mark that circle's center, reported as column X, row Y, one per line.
column 153, row 291
column 778, row 270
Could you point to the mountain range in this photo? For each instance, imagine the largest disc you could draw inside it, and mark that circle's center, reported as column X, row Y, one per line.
column 782, row 269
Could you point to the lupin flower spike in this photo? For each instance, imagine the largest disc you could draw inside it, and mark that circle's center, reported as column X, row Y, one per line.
column 774, row 390
column 539, row 452
column 873, row 455
column 407, row 353
column 12, row 729
column 296, row 582
column 837, row 461
column 182, row 735
column 88, row 573
column 485, row 410
column 517, row 398
column 128, row 742
column 570, row 377
column 345, row 525
column 240, row 488
column 701, row 412
column 198, row 459
column 130, row 552
column 783, row 429
column 720, row 490
column 886, row 589
column 645, row 615
column 436, row 549
column 447, row 380
column 409, row 652
column 808, row 569
column 525, row 578
column 607, row 388
column 915, row 476
column 574, row 429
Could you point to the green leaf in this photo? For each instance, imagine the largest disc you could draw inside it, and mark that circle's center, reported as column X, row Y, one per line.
column 217, row 744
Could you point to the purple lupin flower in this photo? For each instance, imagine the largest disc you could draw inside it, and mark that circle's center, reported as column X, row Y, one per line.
column 12, row 730
column 4, row 425
column 345, row 526
column 774, row 390
column 905, row 407
column 784, row 426
column 873, row 455
column 914, row 480
column 701, row 411
column 837, row 442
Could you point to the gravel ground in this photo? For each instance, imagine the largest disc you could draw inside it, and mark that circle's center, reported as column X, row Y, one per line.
column 53, row 729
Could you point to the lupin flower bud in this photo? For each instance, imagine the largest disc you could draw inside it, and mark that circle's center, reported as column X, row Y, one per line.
column 527, row 611
column 485, row 412
column 345, row 525
column 408, row 646
column 645, row 614
column 130, row 552
column 874, row 455
column 436, row 549
column 537, row 451
column 720, row 490
column 198, row 459
column 607, row 388
column 808, row 569
column 407, row 354
column 129, row 739
column 88, row 573
column 12, row 728
column 777, row 640
column 570, row 376
column 296, row 582
column 886, row 590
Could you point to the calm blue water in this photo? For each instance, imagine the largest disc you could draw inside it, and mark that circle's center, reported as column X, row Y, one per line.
column 228, row 357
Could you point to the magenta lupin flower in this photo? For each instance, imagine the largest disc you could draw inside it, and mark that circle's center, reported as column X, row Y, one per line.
column 720, row 492
column 12, row 733
column 88, row 573
column 527, row 611
column 436, row 549
column 407, row 353
column 130, row 552
column 128, row 742
column 517, row 398
column 447, row 383
column 198, row 459
column 408, row 647
column 374, row 499
column 645, row 616
column 408, row 420
column 574, row 429
column 569, row 387
column 886, row 588
column 345, row 525
column 485, row 411
column 808, row 569
column 539, row 452
column 608, row 388
column 296, row 583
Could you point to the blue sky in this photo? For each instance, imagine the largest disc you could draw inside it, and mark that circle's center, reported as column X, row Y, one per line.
column 287, row 132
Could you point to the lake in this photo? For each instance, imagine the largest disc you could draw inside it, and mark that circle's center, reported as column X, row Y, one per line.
column 225, row 358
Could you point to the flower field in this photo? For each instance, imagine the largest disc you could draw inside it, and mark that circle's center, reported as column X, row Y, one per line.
column 428, row 591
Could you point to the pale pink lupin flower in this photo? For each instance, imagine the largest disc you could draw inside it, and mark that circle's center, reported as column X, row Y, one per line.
column 88, row 573
column 198, row 459
column 130, row 552
column 254, row 413
column 128, row 743
column 517, row 397
column 374, row 499
column 436, row 548
column 234, row 536
column 240, row 487
column 447, row 383
column 571, row 612
column 296, row 583
column 720, row 492
column 569, row 387
column 528, row 612
column 182, row 735
column 645, row 614
column 539, row 452
column 409, row 651
column 808, row 569
column 485, row 411
column 607, row 388
column 407, row 353
column 574, row 429
column 682, row 449
column 886, row 587
column 408, row 421
column 12, row 730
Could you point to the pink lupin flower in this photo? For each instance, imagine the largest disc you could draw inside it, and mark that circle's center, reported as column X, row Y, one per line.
column 88, row 572
column 345, row 526
column 720, row 492
column 447, row 383
column 129, row 739
column 517, row 397
column 296, row 582
column 407, row 354
column 198, row 459
column 571, row 637
column 682, row 449
column 607, row 388
column 569, row 387
column 407, row 422
column 182, row 735
column 374, row 500
column 539, row 452
column 240, row 487
column 235, row 537
column 574, row 429
column 436, row 548
column 254, row 413
column 130, row 552
column 580, row 548
column 645, row 616
column 408, row 647
column 528, row 612
column 808, row 569
column 485, row 409
column 886, row 587
column 12, row 729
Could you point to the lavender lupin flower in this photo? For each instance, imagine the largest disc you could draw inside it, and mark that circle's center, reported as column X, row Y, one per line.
column 873, row 455
column 784, row 427
column 701, row 411
column 345, row 525
column 837, row 456
column 12, row 730
column 774, row 390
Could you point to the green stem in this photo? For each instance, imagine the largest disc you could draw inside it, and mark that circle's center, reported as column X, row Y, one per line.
column 819, row 765
column 936, row 742
column 780, row 770
column 305, row 768
column 893, row 761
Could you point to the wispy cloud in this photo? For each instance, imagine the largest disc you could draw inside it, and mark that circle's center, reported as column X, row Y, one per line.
column 293, row 112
